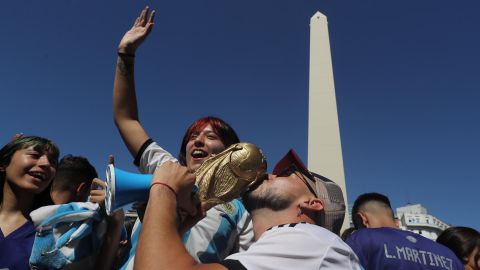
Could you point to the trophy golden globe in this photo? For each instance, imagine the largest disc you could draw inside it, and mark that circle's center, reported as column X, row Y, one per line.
column 226, row 175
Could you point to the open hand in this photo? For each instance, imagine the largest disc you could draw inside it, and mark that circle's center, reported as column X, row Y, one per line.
column 137, row 34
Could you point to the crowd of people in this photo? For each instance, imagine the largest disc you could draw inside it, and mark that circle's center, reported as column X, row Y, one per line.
column 52, row 213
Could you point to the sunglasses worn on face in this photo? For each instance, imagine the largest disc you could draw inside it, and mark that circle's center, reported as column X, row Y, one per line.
column 303, row 174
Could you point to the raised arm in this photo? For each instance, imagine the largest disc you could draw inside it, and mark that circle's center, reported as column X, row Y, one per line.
column 125, row 110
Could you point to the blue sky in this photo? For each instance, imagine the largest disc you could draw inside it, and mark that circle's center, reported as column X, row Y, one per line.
column 406, row 78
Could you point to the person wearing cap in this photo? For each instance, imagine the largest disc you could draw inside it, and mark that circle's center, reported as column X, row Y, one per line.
column 294, row 212
column 380, row 244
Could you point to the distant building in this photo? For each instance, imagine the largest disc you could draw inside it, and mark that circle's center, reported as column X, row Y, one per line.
column 414, row 218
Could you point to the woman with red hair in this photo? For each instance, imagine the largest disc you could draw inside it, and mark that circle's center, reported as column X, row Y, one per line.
column 227, row 228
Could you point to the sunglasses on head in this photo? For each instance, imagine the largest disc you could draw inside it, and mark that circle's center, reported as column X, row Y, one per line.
column 303, row 174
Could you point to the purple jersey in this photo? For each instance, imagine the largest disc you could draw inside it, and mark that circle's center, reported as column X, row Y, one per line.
column 15, row 249
column 389, row 248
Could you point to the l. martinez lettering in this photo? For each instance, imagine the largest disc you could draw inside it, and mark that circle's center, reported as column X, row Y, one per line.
column 417, row 256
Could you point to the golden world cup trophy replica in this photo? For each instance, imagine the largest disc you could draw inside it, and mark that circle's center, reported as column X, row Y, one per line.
column 226, row 175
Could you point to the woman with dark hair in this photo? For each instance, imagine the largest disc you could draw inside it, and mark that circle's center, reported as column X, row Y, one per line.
column 27, row 167
column 465, row 243
column 227, row 228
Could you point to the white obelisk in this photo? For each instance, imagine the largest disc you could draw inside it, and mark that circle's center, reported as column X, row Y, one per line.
column 324, row 146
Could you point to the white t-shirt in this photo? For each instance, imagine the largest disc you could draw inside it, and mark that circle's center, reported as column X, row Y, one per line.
column 295, row 246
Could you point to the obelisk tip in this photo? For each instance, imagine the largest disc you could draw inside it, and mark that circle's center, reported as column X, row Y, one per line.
column 318, row 16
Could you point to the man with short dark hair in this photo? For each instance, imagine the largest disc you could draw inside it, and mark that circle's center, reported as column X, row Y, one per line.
column 379, row 244
column 288, row 210
column 73, row 180
column 372, row 210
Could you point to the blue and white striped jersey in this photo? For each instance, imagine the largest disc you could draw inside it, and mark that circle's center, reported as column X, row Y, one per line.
column 225, row 230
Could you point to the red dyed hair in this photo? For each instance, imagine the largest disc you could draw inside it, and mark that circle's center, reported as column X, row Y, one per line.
column 227, row 135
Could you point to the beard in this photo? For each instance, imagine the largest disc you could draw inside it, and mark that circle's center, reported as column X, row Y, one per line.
column 256, row 199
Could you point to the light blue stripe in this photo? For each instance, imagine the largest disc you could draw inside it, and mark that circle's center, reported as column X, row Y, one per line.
column 226, row 229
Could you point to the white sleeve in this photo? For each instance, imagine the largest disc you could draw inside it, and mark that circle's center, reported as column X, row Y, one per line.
column 340, row 256
column 153, row 156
